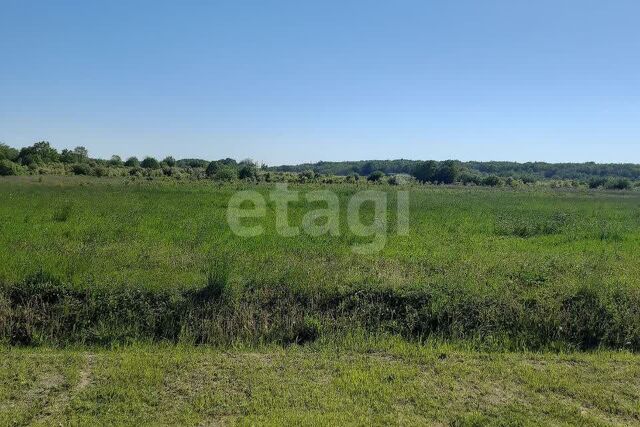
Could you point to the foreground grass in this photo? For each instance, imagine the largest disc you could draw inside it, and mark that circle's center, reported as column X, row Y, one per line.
column 383, row 382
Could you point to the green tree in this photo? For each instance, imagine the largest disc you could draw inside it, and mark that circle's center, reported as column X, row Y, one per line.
column 248, row 170
column 8, row 153
column 115, row 160
column 375, row 176
column 39, row 153
column 492, row 181
column 426, row 171
column 150, row 163
column 448, row 172
column 169, row 161
column 226, row 173
column 213, row 168
column 7, row 168
column 132, row 162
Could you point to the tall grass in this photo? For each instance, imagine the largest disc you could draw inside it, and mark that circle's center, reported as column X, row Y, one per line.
column 104, row 262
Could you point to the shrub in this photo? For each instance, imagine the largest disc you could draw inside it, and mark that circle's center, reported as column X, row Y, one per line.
column 7, row 168
column 375, row 176
column 169, row 161
column 425, row 171
column 308, row 174
column 468, row 178
column 226, row 173
column 115, row 161
column 150, row 163
column 77, row 155
column 39, row 153
column 132, row 162
column 8, row 153
column 101, row 171
column 448, row 172
column 136, row 171
column 212, row 169
column 248, row 171
column 81, row 169
column 619, row 184
column 492, row 181
column 354, row 177
column 597, row 182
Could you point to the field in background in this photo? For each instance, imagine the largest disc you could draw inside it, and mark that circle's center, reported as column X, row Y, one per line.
column 444, row 318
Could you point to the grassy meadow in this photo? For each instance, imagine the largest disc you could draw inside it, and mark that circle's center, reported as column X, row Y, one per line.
column 128, row 301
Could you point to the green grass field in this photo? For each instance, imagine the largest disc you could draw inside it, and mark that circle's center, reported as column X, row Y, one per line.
column 131, row 301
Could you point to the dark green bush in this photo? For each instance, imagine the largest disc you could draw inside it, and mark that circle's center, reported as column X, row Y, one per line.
column 81, row 169
column 226, row 173
column 248, row 171
column 619, row 184
column 492, row 181
column 150, row 163
column 8, row 168
column 597, row 182
column 43, row 310
column 375, row 176
column 101, row 171
column 132, row 162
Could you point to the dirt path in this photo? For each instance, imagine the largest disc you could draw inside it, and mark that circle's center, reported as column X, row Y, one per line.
column 57, row 403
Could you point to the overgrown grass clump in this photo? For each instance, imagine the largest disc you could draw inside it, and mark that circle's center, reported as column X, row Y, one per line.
column 44, row 312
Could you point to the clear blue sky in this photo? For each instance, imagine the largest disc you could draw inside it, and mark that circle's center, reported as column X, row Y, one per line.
column 294, row 81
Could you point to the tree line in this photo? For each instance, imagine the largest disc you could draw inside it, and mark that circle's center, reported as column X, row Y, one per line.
column 526, row 171
column 42, row 158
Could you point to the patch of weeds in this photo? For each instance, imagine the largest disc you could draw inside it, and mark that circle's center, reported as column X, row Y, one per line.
column 63, row 213
column 533, row 225
column 606, row 231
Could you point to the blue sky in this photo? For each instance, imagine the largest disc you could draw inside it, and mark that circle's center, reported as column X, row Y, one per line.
column 296, row 81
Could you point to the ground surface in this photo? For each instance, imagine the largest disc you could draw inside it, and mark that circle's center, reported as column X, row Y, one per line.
column 482, row 271
column 375, row 384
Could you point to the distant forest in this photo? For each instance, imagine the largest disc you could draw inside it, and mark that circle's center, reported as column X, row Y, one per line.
column 526, row 171
column 43, row 159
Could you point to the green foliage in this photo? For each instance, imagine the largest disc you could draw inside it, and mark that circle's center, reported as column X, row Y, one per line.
column 353, row 177
column 524, row 269
column 8, row 153
column 492, row 181
column 532, row 225
column 7, row 168
column 213, row 168
column 169, row 161
column 77, row 155
column 38, row 153
column 248, row 170
column 132, row 162
column 597, row 182
column 375, row 176
column 619, row 184
column 192, row 163
column 470, row 178
column 529, row 172
column 150, row 163
column 226, row 173
column 81, row 169
column 426, row 171
column 430, row 171
column 116, row 161
column 101, row 171
column 448, row 172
